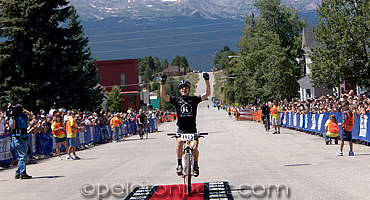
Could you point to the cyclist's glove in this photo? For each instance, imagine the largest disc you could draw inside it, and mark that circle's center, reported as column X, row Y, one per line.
column 163, row 79
column 206, row 76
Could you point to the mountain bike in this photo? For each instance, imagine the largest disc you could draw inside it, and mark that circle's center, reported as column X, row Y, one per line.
column 144, row 132
column 187, row 156
column 267, row 122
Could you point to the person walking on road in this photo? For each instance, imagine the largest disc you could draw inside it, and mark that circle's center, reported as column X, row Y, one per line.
column 186, row 109
column 275, row 111
column 347, row 125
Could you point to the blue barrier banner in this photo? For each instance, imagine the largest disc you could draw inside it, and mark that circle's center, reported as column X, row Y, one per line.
column 289, row 121
column 295, row 120
column 33, row 143
column 80, row 138
column 320, row 123
column 301, row 121
column 359, row 130
column 339, row 117
column 363, row 125
column 96, row 133
column 307, row 120
column 46, row 143
column 283, row 118
column 313, row 123
column 5, row 152
column 92, row 134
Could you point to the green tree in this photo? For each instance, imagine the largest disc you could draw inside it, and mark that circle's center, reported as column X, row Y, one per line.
column 84, row 90
column 156, row 64
column 267, row 65
column 220, row 59
column 343, row 54
column 164, row 65
column 178, row 60
column 114, row 102
column 42, row 62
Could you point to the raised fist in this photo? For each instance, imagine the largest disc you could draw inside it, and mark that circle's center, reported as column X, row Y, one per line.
column 163, row 78
column 206, row 76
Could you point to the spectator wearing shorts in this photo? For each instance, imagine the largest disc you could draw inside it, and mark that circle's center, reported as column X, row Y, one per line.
column 347, row 125
column 71, row 129
column 275, row 112
column 58, row 131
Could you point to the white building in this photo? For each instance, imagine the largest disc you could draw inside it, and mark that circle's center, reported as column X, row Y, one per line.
column 307, row 91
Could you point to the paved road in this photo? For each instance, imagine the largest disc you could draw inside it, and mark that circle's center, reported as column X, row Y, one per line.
column 239, row 152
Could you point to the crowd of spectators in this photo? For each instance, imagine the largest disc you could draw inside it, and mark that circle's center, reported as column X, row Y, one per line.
column 41, row 122
column 359, row 104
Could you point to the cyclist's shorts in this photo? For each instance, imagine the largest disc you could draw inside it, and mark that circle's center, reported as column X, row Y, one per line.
column 188, row 130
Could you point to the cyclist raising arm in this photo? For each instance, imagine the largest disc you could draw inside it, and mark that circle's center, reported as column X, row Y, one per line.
column 186, row 109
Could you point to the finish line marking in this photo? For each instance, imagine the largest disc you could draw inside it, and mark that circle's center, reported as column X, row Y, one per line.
column 211, row 191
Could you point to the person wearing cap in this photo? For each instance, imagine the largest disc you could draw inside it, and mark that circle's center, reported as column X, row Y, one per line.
column 186, row 109
column 18, row 123
column 275, row 112
column 71, row 129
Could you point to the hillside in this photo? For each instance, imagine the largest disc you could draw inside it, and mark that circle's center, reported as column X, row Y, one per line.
column 195, row 37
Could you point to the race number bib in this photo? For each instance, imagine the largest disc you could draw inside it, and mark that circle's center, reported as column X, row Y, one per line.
column 187, row 137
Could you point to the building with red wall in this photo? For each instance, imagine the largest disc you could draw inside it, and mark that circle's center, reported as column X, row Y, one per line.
column 124, row 73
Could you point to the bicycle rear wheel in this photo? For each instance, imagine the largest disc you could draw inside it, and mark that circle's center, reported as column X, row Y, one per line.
column 188, row 174
column 146, row 133
column 141, row 134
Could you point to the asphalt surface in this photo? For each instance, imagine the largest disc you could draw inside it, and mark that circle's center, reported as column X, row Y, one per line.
column 240, row 152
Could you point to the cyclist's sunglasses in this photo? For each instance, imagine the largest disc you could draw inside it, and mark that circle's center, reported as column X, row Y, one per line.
column 183, row 86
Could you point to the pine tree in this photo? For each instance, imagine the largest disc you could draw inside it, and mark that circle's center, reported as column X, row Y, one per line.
column 84, row 89
column 41, row 61
column 114, row 102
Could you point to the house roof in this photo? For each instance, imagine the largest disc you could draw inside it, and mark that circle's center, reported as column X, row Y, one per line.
column 173, row 69
column 308, row 40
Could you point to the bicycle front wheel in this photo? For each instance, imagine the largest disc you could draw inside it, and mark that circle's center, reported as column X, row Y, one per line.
column 188, row 174
column 266, row 125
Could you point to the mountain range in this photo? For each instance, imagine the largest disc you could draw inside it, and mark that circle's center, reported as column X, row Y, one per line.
column 210, row 9
column 196, row 29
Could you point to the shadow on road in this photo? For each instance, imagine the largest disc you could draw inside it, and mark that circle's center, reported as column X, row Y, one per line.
column 295, row 165
column 363, row 154
column 135, row 139
column 39, row 177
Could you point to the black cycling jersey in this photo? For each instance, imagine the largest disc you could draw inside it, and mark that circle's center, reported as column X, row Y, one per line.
column 142, row 118
column 186, row 109
column 265, row 110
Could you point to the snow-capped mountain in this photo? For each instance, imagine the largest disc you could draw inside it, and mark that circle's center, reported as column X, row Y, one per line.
column 100, row 9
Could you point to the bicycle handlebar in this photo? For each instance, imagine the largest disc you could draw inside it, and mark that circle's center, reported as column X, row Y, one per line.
column 174, row 134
